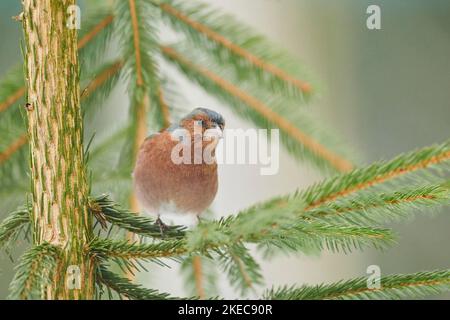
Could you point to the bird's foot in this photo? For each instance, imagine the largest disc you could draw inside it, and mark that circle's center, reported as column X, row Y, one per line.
column 162, row 226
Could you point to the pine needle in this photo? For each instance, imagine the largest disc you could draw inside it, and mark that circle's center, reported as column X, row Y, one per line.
column 392, row 287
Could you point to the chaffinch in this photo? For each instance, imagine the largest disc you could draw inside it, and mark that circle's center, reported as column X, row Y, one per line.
column 170, row 180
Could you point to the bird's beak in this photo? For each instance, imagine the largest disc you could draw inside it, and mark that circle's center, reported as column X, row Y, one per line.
column 214, row 133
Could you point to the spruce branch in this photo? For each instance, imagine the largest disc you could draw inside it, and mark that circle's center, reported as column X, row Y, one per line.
column 98, row 87
column 14, row 224
column 95, row 37
column 317, row 237
column 13, row 148
column 123, row 249
column 13, row 89
column 200, row 276
column 34, row 272
column 140, row 225
column 13, row 98
column 105, row 79
column 136, row 29
column 262, row 114
column 392, row 287
column 229, row 42
column 242, row 270
column 375, row 208
column 263, row 226
column 163, row 108
column 125, row 288
column 378, row 173
column 95, row 30
column 107, row 72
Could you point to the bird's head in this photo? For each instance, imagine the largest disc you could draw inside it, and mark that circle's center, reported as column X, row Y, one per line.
column 204, row 121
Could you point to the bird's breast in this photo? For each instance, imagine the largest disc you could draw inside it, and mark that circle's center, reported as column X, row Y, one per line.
column 160, row 182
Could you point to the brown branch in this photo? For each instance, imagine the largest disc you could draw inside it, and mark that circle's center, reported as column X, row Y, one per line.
column 164, row 109
column 98, row 81
column 198, row 275
column 13, row 98
column 382, row 178
column 240, row 264
column 12, row 148
column 258, row 62
column 101, row 78
column 389, row 202
column 335, row 160
column 9, row 101
column 94, row 31
column 402, row 285
column 137, row 51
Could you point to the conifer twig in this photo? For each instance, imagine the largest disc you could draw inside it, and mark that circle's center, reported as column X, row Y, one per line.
column 13, row 98
column 13, row 224
column 198, row 275
column 377, row 208
column 267, row 67
column 92, row 86
column 130, row 221
column 378, row 173
column 13, row 147
column 392, row 287
column 9, row 101
column 299, row 238
column 102, row 78
column 333, row 159
column 94, row 31
column 164, row 108
column 124, row 287
column 34, row 271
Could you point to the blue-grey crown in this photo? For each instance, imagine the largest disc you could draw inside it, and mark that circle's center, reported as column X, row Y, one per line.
column 214, row 116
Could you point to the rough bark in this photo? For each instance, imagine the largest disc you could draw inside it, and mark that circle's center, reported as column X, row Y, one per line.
column 59, row 187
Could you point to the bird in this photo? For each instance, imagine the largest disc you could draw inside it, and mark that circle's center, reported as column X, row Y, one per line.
column 174, row 190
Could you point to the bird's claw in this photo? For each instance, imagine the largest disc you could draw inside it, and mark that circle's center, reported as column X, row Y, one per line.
column 162, row 226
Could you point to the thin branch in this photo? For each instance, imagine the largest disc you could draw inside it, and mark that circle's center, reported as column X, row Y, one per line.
column 101, row 78
column 107, row 211
column 13, row 224
column 391, row 287
column 12, row 148
column 94, row 84
column 402, row 170
column 13, row 98
column 240, row 264
column 212, row 239
column 34, row 271
column 335, row 160
column 124, row 249
column 124, row 287
column 374, row 208
column 164, row 108
column 82, row 43
column 198, row 275
column 216, row 37
column 137, row 50
column 94, row 31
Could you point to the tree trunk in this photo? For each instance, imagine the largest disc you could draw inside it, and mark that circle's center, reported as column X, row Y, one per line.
column 59, row 186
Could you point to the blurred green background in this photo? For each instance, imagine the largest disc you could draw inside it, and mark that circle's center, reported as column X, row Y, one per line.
column 386, row 91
